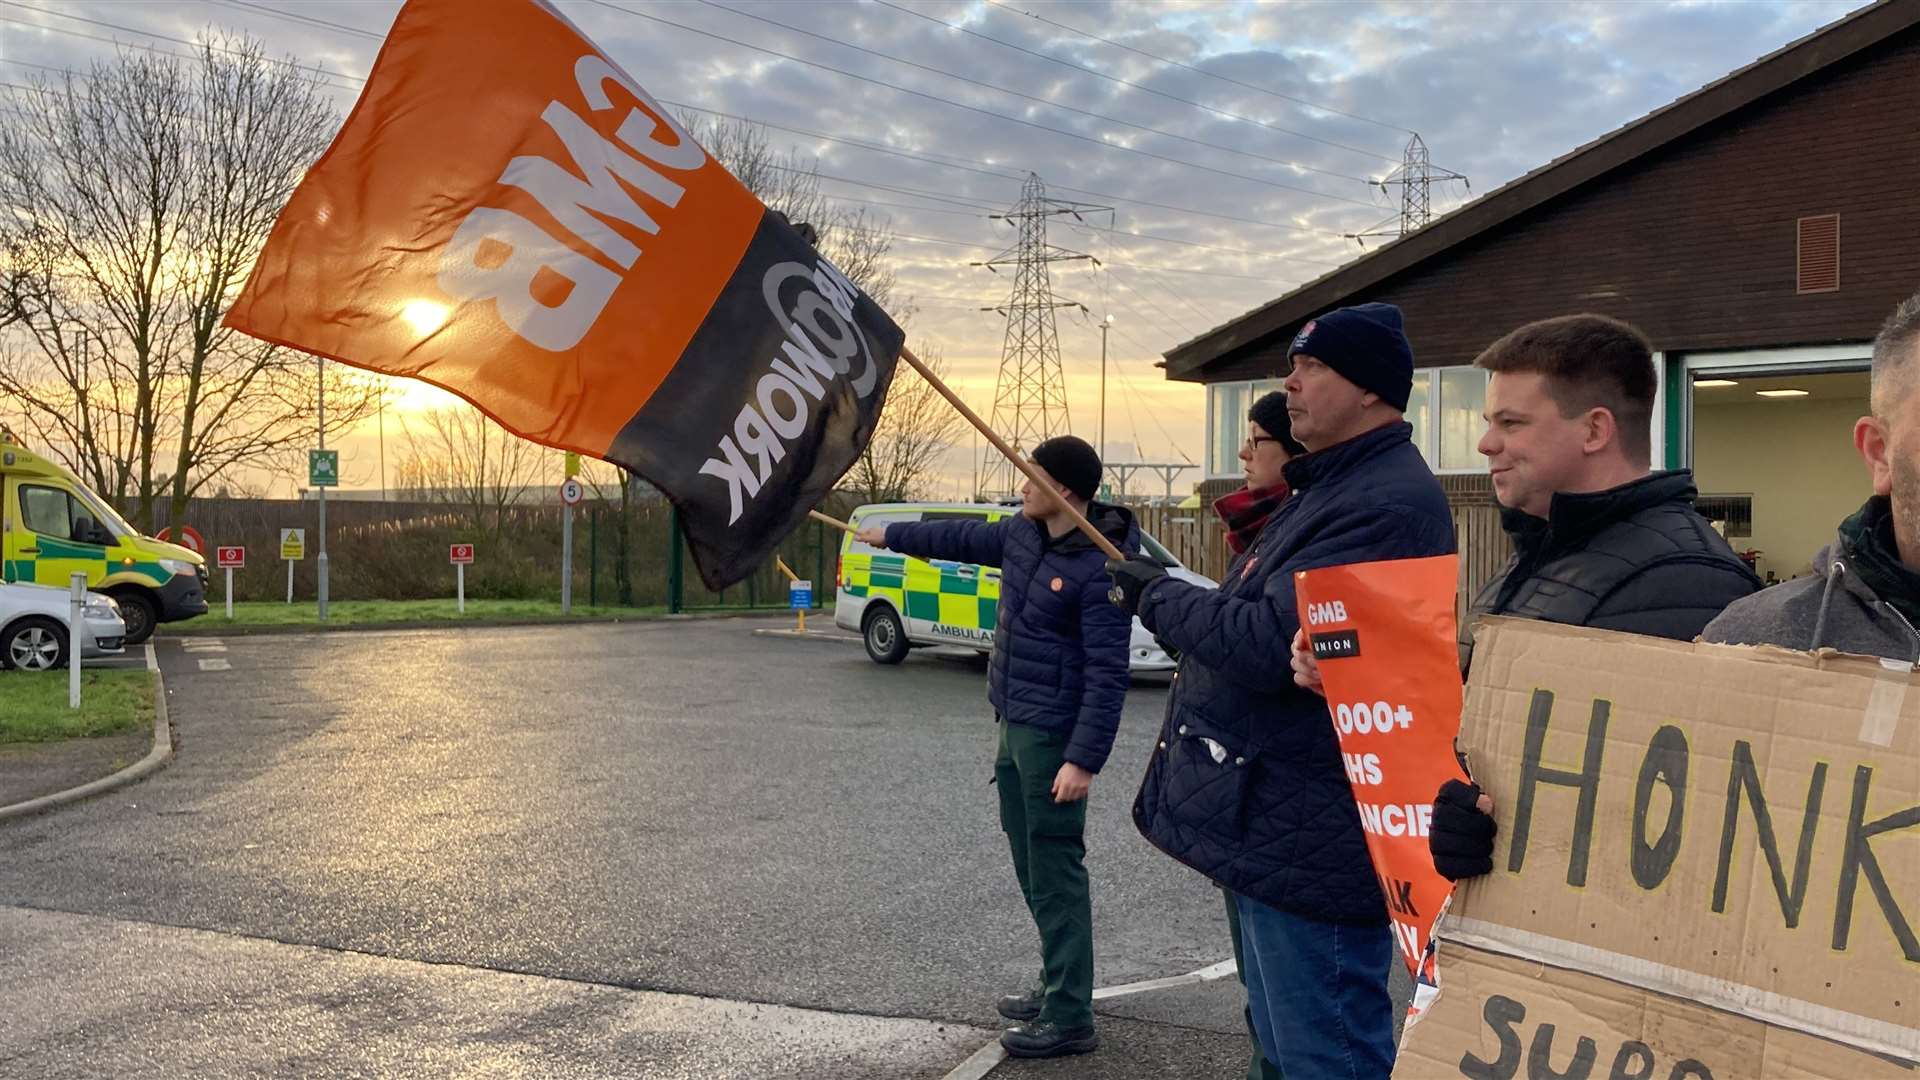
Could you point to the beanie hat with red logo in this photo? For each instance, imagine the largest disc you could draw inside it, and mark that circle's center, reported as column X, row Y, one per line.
column 1366, row 345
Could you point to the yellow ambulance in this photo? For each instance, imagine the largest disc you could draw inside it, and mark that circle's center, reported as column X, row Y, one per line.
column 51, row 526
column 898, row 602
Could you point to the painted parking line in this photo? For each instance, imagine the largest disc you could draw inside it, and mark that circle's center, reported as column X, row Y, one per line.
column 216, row 665
column 988, row 1057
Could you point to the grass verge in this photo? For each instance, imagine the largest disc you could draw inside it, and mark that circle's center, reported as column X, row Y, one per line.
column 33, row 705
column 306, row 614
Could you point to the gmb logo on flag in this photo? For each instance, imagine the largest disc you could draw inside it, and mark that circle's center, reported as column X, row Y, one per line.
column 507, row 214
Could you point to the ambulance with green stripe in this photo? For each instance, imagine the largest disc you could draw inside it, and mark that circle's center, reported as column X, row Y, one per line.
column 51, row 526
column 898, row 602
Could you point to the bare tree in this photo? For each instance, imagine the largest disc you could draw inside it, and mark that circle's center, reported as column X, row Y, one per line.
column 917, row 427
column 145, row 189
column 858, row 242
column 23, row 284
column 471, row 464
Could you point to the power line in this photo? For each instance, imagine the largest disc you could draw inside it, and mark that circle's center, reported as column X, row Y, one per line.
column 1124, row 265
column 608, row 4
column 1173, row 319
column 319, row 79
column 1153, row 414
column 1201, row 71
column 356, row 31
column 899, row 206
column 1122, row 199
column 928, row 157
column 939, row 160
column 1040, row 100
column 307, row 19
column 1170, row 291
column 1131, row 84
column 1248, row 252
column 971, row 204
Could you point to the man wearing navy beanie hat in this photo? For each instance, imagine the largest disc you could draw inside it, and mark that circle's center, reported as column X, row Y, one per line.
column 1314, row 938
column 1366, row 346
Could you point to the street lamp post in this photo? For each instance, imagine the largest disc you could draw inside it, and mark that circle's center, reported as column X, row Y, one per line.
column 1104, row 324
column 321, row 563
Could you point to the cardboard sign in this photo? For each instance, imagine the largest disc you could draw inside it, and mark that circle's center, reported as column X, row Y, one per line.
column 1384, row 636
column 230, row 558
column 1708, row 865
column 460, row 554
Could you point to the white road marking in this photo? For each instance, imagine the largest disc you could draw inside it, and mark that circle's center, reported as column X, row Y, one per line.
column 988, row 1057
column 215, row 665
column 980, row 1064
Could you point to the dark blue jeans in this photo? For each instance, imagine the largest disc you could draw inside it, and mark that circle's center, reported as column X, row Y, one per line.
column 1318, row 992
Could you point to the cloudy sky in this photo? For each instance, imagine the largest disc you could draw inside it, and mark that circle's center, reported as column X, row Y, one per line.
column 1234, row 140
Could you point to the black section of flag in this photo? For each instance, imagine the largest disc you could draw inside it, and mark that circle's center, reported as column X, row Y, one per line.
column 770, row 403
column 1335, row 644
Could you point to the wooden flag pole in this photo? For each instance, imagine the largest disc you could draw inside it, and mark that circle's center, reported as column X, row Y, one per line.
column 1025, row 466
column 825, row 520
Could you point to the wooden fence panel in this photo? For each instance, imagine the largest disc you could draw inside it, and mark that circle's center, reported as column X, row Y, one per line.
column 1484, row 551
column 1197, row 538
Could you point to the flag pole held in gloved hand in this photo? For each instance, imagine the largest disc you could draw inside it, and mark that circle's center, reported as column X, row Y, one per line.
column 1079, row 520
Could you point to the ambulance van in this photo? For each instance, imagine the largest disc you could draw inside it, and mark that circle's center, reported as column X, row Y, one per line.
column 51, row 526
column 897, row 602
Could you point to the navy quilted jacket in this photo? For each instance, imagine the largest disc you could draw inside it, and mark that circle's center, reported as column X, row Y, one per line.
column 1246, row 784
column 1059, row 646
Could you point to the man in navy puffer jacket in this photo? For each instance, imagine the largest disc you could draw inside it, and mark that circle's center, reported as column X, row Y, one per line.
column 1247, row 784
column 1057, row 682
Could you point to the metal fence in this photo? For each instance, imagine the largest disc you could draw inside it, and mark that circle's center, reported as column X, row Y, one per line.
column 631, row 557
column 623, row 557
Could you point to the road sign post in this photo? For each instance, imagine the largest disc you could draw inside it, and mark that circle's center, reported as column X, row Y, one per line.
column 323, row 472
column 293, row 548
column 230, row 559
column 800, row 598
column 190, row 539
column 460, row 555
column 570, row 493
column 77, row 605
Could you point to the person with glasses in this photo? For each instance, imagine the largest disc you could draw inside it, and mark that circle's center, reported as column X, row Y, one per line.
column 1263, row 460
column 1246, row 783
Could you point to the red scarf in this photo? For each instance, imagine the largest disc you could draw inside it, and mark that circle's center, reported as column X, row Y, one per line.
column 1246, row 511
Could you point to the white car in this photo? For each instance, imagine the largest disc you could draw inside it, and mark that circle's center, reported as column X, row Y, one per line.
column 33, row 627
column 897, row 602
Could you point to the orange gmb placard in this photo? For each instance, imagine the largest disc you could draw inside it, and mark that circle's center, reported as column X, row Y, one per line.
column 1383, row 633
column 509, row 215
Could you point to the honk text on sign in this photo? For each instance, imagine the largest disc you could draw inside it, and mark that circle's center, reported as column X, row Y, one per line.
column 509, row 215
column 1707, row 865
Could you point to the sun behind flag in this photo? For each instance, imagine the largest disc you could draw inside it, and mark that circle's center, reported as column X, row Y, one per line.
column 508, row 215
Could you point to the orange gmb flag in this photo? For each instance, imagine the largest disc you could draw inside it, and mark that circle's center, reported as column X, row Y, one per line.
column 509, row 215
column 1383, row 633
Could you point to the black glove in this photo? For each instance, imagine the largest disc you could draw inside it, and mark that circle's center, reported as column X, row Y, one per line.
column 1130, row 581
column 1461, row 837
column 1168, row 647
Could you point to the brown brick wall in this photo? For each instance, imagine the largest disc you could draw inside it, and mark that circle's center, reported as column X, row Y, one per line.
column 1695, row 243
